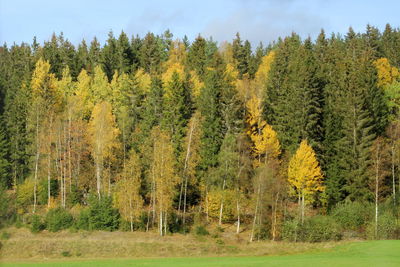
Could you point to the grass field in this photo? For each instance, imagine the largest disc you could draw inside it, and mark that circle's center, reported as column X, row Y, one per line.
column 369, row 253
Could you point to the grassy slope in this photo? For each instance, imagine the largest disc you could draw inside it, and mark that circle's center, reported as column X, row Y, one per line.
column 24, row 246
column 372, row 253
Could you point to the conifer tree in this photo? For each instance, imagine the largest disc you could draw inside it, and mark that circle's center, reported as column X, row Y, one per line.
column 196, row 58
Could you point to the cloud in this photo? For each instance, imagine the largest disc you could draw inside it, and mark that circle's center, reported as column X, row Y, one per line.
column 265, row 21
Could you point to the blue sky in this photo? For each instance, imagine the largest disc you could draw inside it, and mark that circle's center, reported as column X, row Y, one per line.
column 256, row 20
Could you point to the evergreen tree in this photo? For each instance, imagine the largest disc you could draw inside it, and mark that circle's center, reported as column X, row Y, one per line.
column 212, row 123
column 109, row 56
column 177, row 110
column 150, row 54
column 196, row 58
column 5, row 177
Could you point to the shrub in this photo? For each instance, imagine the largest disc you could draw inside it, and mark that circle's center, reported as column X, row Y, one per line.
column 25, row 193
column 66, row 254
column 37, row 224
column 7, row 214
column 321, row 228
column 214, row 204
column 58, row 219
column 388, row 227
column 102, row 215
column 290, row 229
column 314, row 229
column 83, row 220
column 201, row 230
column 353, row 216
column 5, row 235
column 75, row 196
column 43, row 190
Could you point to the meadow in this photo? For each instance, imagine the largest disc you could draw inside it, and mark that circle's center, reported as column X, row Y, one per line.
column 20, row 247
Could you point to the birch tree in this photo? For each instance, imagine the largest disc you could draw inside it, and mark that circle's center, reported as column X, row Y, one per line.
column 102, row 134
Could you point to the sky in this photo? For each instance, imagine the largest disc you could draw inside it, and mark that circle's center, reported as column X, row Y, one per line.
column 255, row 20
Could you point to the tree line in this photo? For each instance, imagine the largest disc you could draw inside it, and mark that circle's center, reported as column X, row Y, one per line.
column 171, row 133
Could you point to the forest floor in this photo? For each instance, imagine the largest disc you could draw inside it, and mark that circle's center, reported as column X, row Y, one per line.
column 148, row 249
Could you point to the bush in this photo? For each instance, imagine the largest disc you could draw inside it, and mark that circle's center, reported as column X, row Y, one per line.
column 388, row 227
column 314, row 229
column 75, row 196
column 7, row 213
column 37, row 224
column 353, row 216
column 58, row 219
column 201, row 230
column 66, row 253
column 43, row 190
column 25, row 193
column 102, row 215
column 83, row 220
column 5, row 235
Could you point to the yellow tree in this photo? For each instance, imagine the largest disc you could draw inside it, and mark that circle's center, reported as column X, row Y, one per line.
column 83, row 94
column 304, row 175
column 100, row 88
column 143, row 80
column 191, row 160
column 266, row 150
column 262, row 73
column 102, row 137
column 128, row 198
column 265, row 139
column 164, row 177
column 389, row 81
column 45, row 97
column 387, row 74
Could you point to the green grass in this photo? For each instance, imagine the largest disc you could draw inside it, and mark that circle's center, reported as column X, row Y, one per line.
column 371, row 253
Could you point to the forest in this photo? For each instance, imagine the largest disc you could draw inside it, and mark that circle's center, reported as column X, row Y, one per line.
column 298, row 140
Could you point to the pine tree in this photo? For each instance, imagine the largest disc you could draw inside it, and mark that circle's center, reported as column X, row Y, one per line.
column 212, row 127
column 150, row 54
column 109, row 56
column 5, row 178
column 82, row 57
column 196, row 58
column 177, row 109
column 293, row 97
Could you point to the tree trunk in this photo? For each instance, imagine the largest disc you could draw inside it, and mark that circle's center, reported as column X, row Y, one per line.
column 165, row 222
column 393, row 174
column 207, row 204
column 302, row 207
column 184, row 173
column 48, row 179
column 98, row 177
column 275, row 217
column 376, row 196
column 36, row 163
column 238, row 216
column 130, row 212
column 222, row 203
column 255, row 212
column 69, row 152
column 161, row 223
